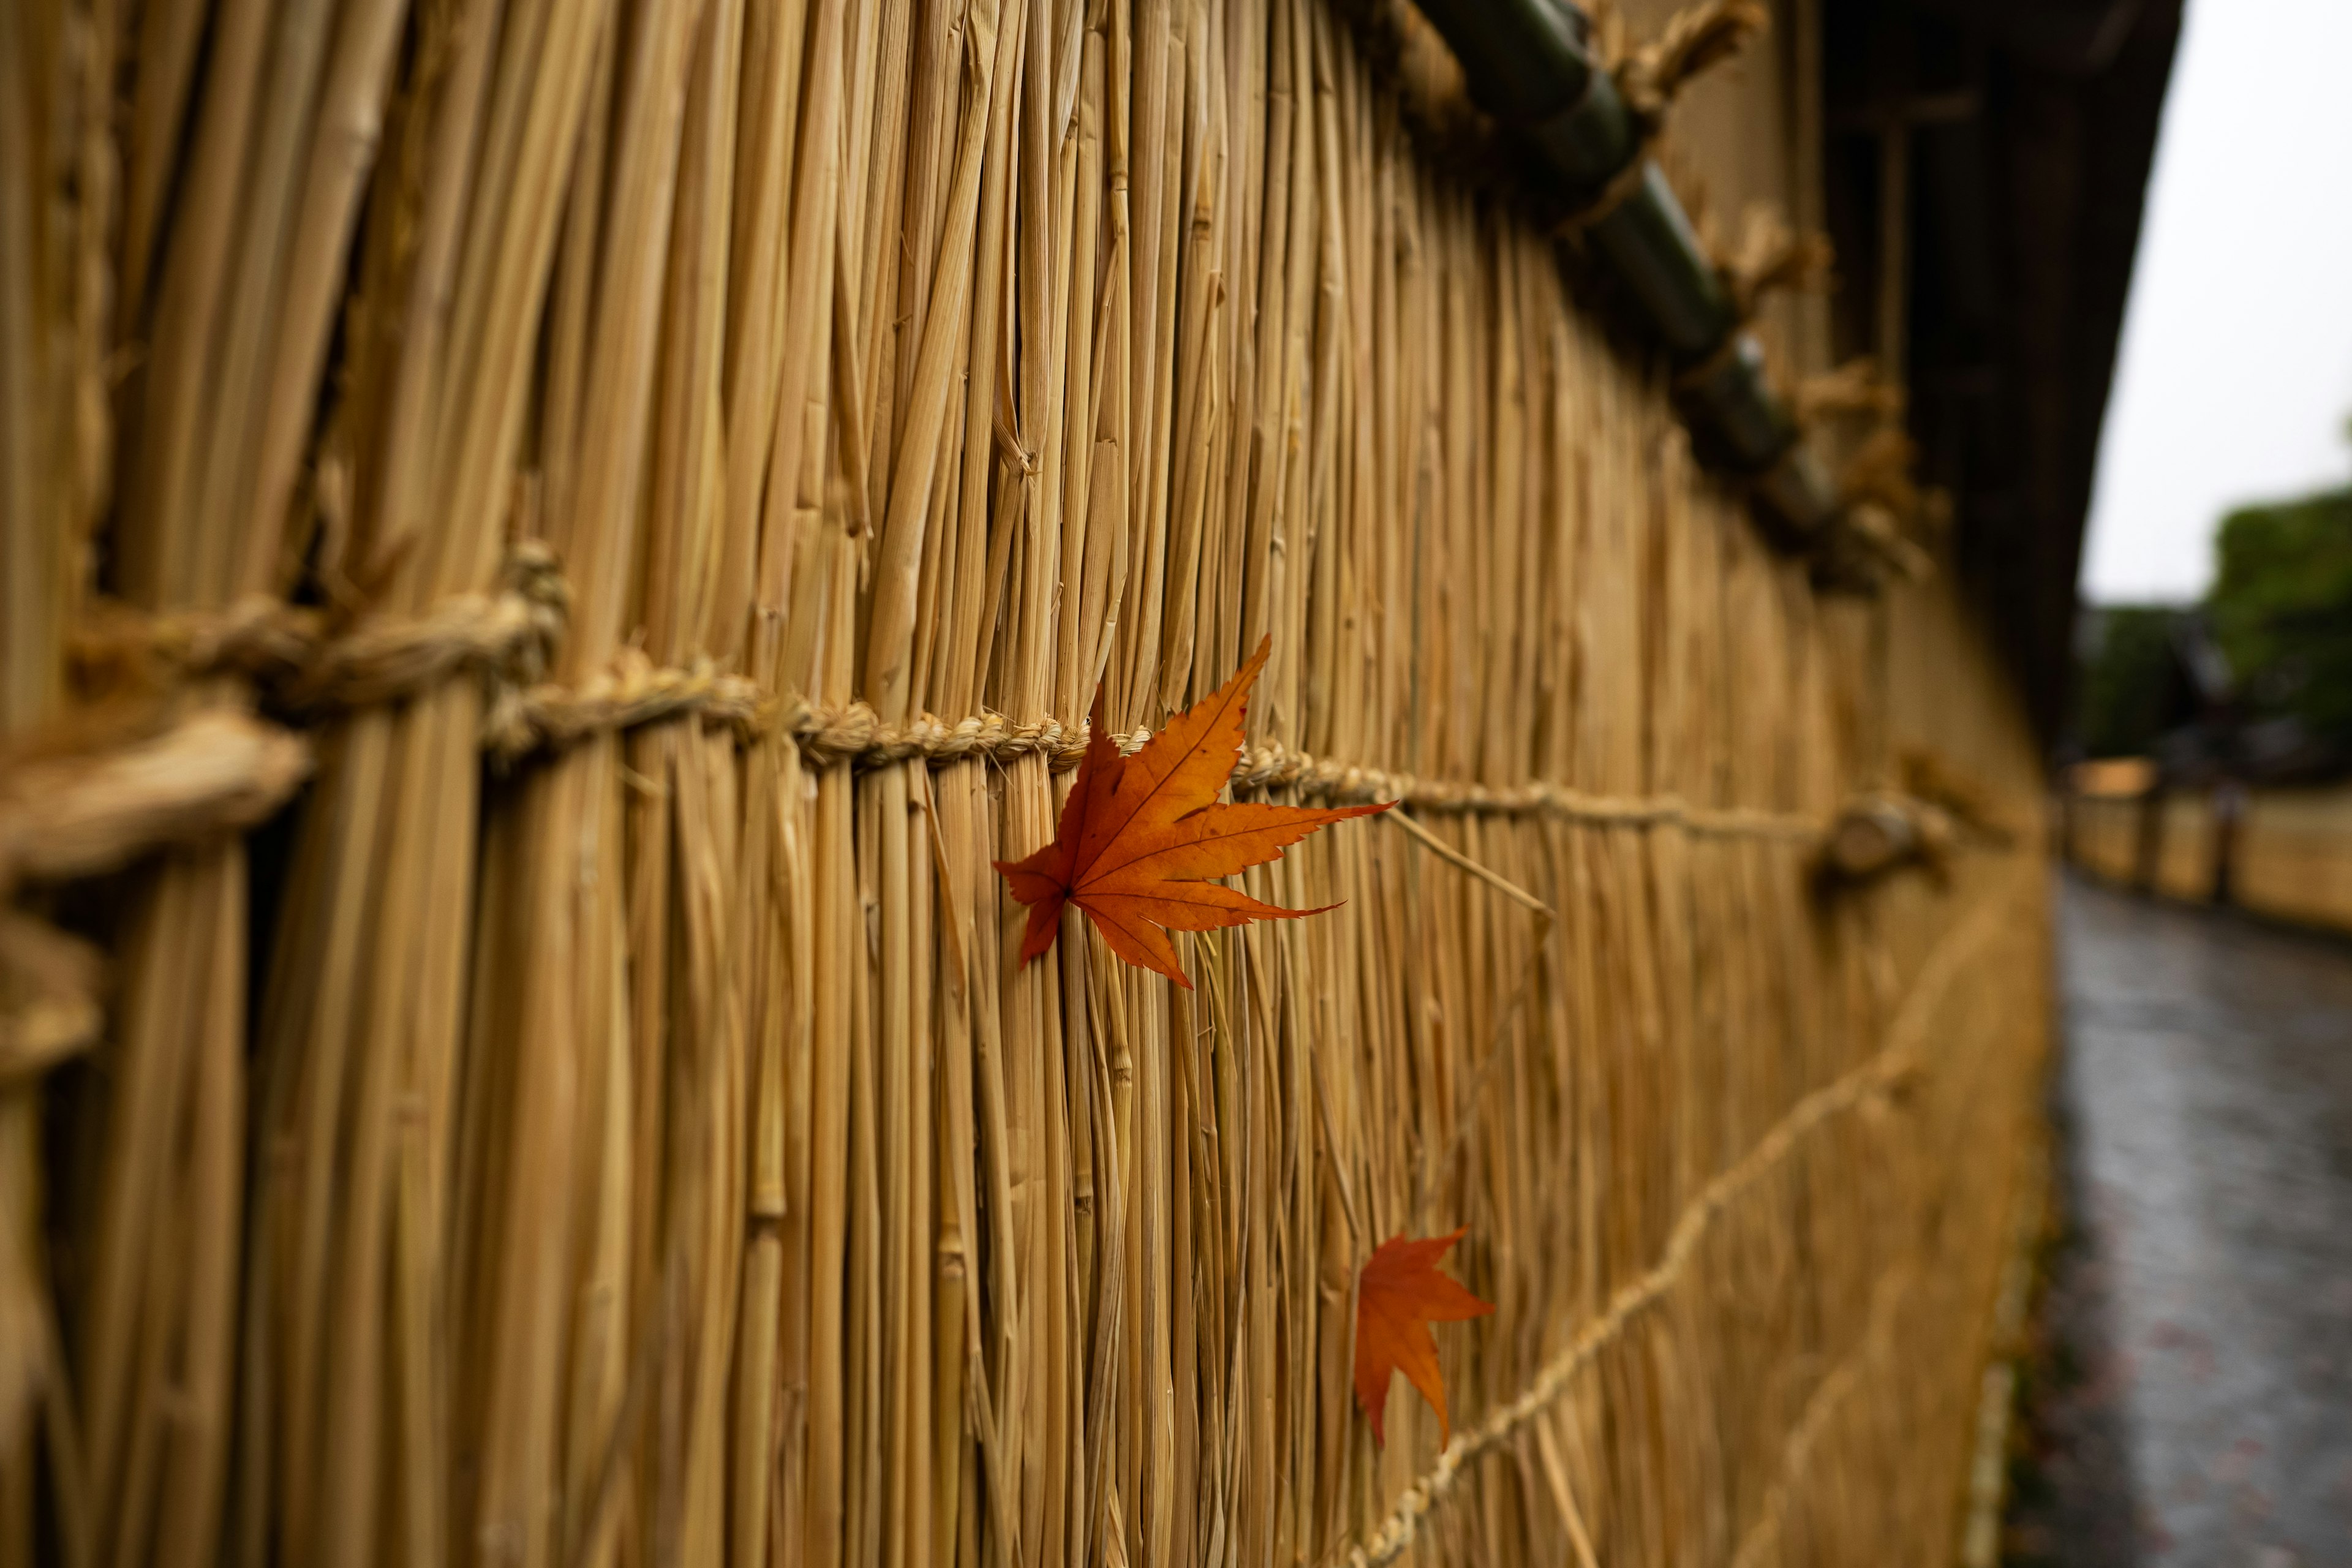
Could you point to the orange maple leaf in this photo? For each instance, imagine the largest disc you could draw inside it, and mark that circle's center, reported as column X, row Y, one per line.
column 1141, row 840
column 1399, row 1294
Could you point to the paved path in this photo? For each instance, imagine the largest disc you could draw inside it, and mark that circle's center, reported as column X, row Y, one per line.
column 2208, row 1083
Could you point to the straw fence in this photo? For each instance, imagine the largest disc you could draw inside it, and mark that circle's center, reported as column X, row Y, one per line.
column 665, row 478
column 2290, row 850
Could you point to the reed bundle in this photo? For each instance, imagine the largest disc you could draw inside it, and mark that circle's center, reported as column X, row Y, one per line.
column 643, row 1146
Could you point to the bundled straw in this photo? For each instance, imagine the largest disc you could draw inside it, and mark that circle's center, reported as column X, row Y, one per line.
column 759, row 427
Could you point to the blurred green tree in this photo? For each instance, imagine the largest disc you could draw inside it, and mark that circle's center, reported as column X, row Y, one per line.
column 2130, row 686
column 2280, row 608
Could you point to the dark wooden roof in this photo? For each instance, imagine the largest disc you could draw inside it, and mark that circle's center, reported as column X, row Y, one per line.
column 1998, row 151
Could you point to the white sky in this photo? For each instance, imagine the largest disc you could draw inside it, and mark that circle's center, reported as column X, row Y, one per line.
column 2235, row 377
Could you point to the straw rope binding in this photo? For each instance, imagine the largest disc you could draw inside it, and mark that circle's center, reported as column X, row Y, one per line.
column 385, row 660
column 218, row 772
column 1897, row 1055
column 1694, row 40
column 648, row 1147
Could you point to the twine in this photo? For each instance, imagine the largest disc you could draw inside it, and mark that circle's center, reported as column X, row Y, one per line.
column 509, row 637
column 71, row 815
column 1829, row 1397
column 264, row 639
column 855, row 735
column 632, row 693
column 1695, row 39
column 1273, row 765
column 1853, row 388
column 52, row 994
column 1880, row 470
column 1772, row 258
column 1896, row 1059
column 310, row 663
column 219, row 771
column 1610, row 196
column 1881, row 494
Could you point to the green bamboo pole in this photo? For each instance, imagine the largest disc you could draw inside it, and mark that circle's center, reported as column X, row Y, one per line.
column 1529, row 64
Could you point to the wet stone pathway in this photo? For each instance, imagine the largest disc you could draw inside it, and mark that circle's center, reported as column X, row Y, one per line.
column 2194, row 1403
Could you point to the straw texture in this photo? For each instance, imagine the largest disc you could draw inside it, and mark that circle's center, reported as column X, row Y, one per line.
column 675, row 472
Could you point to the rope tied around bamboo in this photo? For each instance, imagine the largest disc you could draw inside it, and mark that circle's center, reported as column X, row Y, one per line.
column 1650, row 76
column 1772, row 257
column 147, row 777
column 1694, row 40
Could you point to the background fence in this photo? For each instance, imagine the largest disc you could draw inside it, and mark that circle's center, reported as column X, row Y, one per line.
column 675, row 471
column 2289, row 851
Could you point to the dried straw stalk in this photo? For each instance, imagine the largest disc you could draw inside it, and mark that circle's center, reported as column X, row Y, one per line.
column 649, row 1149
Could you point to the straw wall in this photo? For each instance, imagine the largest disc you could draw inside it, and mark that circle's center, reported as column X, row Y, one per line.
column 2104, row 833
column 714, row 449
column 2290, row 856
column 2294, row 856
column 2184, row 866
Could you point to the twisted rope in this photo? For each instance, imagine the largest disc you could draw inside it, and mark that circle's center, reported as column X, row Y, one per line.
column 632, row 693
column 1896, row 1057
column 74, row 814
column 1853, row 388
column 1829, row 1397
column 853, row 733
column 263, row 638
column 511, row 637
column 1772, row 258
column 1695, row 39
column 310, row 662
column 1882, row 494
column 69, row 816
column 48, row 996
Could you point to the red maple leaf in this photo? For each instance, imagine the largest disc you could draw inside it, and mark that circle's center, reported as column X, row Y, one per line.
column 1399, row 1293
column 1141, row 840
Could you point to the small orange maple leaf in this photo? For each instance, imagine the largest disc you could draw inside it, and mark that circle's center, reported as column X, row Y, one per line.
column 1399, row 1293
column 1141, row 840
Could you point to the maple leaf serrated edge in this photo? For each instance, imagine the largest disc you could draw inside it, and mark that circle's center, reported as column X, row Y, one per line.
column 1401, row 1269
column 1134, row 895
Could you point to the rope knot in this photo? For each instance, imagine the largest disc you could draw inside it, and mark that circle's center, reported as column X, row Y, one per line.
column 1697, row 38
column 1772, row 258
column 534, row 579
